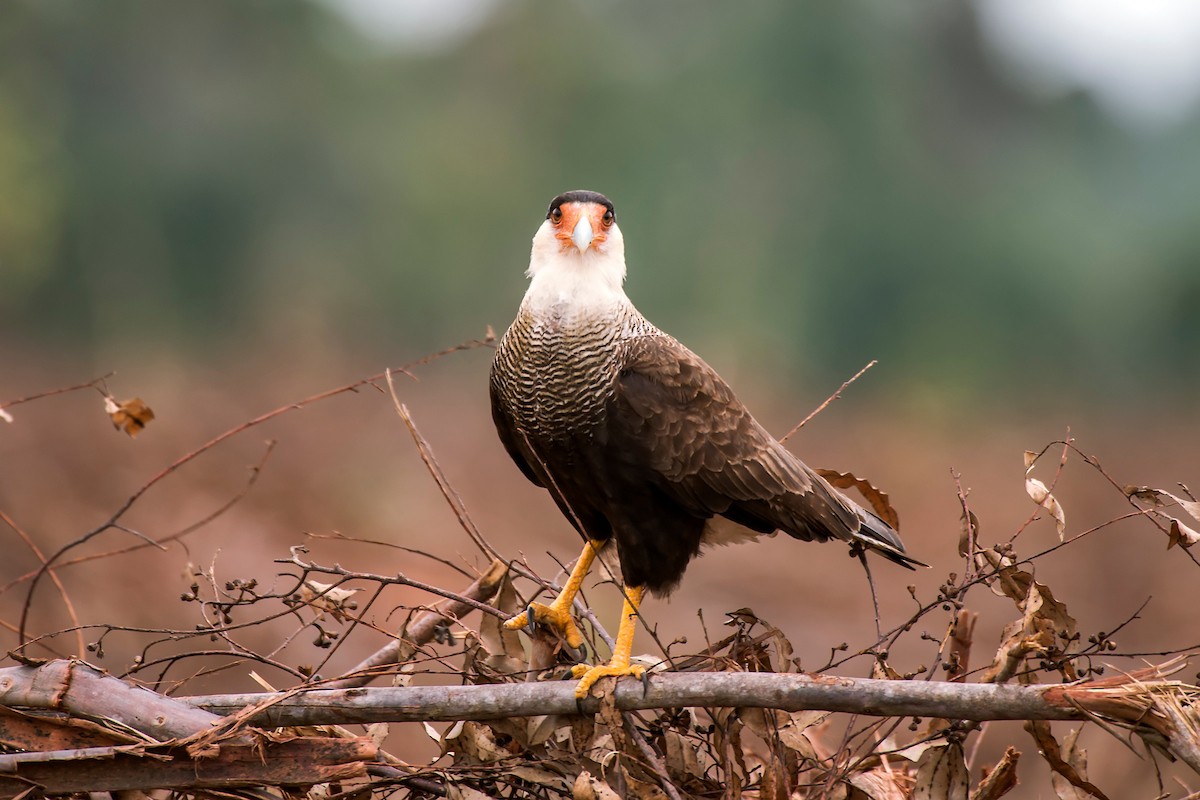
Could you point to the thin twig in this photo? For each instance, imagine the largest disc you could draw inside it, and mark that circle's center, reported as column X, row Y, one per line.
column 828, row 400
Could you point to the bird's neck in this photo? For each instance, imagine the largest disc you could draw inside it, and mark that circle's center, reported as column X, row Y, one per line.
column 576, row 288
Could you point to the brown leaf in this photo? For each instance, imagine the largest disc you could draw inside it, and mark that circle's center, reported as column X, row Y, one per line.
column 474, row 743
column 130, row 416
column 1154, row 497
column 1001, row 779
column 680, row 756
column 1065, row 768
column 878, row 499
column 1178, row 532
column 1181, row 535
column 506, row 655
column 1038, row 492
column 968, row 532
column 589, row 787
column 791, row 728
column 1019, row 585
column 541, row 777
column 962, row 633
column 325, row 597
column 878, row 784
column 942, row 774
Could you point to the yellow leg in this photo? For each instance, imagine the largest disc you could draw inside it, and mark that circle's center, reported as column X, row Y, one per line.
column 619, row 665
column 557, row 615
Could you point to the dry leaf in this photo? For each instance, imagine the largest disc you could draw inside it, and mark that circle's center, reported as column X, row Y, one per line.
column 589, row 787
column 506, row 655
column 325, row 597
column 1065, row 768
column 680, row 755
column 474, row 743
column 1001, row 780
column 1179, row 533
column 878, row 499
column 1016, row 643
column 541, row 777
column 1154, row 497
column 942, row 774
column 377, row 732
column 130, row 416
column 456, row 791
column 4, row 415
column 969, row 531
column 878, row 784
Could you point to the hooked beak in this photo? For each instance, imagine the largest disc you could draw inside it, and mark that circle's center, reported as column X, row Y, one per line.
column 582, row 235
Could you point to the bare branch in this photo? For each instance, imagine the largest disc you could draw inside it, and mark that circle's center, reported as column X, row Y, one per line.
column 423, row 629
column 789, row 692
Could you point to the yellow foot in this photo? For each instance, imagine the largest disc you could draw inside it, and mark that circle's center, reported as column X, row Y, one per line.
column 589, row 675
column 555, row 616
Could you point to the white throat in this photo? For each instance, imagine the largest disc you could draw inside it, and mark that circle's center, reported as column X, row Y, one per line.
column 565, row 284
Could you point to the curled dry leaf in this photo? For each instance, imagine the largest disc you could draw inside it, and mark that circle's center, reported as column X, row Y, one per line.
column 878, row 499
column 1000, row 780
column 942, row 774
column 1030, row 596
column 1038, row 492
column 968, row 533
column 131, row 416
column 589, row 787
column 1178, row 533
column 792, row 728
column 505, row 654
column 473, row 743
column 1069, row 765
column 878, row 784
column 1045, row 625
column 1016, row 644
column 327, row 597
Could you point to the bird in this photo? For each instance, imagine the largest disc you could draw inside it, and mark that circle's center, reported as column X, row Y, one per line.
column 638, row 440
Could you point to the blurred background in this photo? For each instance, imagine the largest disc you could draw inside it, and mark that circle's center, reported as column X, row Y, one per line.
column 236, row 205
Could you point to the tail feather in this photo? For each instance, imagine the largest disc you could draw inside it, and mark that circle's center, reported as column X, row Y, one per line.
column 877, row 535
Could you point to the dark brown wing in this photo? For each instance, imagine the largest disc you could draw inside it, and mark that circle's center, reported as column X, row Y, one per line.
column 678, row 418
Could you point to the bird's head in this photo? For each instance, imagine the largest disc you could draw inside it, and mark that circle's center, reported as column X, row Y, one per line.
column 579, row 243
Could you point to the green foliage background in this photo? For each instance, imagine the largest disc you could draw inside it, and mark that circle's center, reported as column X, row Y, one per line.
column 810, row 184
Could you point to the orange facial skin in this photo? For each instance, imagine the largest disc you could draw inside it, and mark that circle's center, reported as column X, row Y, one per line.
column 566, row 217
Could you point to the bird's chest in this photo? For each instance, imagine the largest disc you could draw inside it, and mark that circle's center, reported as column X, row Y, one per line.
column 557, row 375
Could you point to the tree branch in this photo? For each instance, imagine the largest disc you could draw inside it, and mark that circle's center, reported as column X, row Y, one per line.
column 789, row 692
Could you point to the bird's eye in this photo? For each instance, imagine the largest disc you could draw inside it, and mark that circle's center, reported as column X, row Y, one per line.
column 556, row 215
column 607, row 219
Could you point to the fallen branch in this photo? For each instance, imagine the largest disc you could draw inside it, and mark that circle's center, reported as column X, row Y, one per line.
column 298, row 762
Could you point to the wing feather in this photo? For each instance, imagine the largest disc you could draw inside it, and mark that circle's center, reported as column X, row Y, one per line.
column 673, row 415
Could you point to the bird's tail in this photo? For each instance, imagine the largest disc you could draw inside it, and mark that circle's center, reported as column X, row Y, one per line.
column 877, row 535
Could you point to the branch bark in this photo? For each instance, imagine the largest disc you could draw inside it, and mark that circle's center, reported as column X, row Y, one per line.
column 790, row 692
column 298, row 762
column 1143, row 700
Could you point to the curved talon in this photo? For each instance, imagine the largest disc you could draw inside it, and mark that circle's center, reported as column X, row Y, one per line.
column 588, row 676
column 555, row 616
